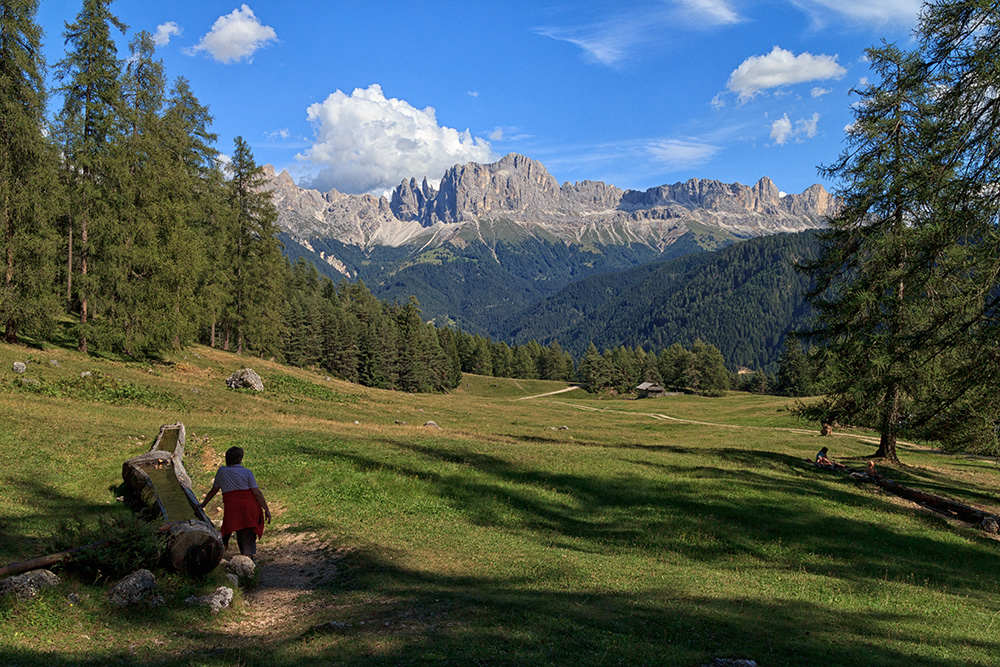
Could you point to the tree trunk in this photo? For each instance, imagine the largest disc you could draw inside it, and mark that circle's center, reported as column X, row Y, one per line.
column 890, row 422
column 82, row 346
column 69, row 265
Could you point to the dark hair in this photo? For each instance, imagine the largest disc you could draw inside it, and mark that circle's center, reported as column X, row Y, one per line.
column 234, row 456
column 822, row 451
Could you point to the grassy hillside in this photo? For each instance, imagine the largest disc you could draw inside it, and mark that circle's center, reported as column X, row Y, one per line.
column 664, row 531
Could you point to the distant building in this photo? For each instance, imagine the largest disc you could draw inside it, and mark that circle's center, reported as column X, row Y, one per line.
column 650, row 390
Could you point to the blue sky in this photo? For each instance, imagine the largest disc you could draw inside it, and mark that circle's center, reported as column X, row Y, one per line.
column 359, row 95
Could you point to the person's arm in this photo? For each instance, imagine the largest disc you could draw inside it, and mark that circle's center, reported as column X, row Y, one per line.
column 211, row 494
column 263, row 503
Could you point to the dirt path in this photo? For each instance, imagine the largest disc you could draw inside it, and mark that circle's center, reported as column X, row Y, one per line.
column 551, row 393
column 292, row 566
column 786, row 429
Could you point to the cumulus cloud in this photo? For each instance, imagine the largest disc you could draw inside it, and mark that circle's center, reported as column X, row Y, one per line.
column 366, row 142
column 235, row 36
column 164, row 32
column 682, row 154
column 781, row 68
column 782, row 130
column 900, row 12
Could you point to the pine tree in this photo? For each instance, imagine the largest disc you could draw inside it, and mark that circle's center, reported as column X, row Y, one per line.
column 27, row 170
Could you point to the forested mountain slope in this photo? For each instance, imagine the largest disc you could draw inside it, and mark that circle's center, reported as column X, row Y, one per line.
column 741, row 299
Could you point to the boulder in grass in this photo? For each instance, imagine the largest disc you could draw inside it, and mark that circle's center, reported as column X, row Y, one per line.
column 241, row 566
column 29, row 584
column 20, row 367
column 245, row 378
column 217, row 600
column 133, row 589
column 432, row 424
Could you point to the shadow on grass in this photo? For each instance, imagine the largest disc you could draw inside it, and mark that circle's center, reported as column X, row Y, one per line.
column 754, row 511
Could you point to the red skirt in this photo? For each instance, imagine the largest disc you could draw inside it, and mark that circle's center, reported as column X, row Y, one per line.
column 241, row 510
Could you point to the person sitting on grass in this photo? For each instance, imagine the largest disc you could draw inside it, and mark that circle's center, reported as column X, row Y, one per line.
column 824, row 461
column 245, row 509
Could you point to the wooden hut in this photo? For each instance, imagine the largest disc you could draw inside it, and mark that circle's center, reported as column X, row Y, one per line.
column 650, row 390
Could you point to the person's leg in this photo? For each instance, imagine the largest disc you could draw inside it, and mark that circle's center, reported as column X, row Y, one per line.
column 247, row 540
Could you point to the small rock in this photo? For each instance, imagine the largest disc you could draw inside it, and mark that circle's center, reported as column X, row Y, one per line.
column 327, row 378
column 356, row 422
column 241, row 566
column 245, row 377
column 132, row 589
column 29, row 584
column 400, row 421
column 20, row 367
column 27, row 382
column 432, row 424
column 218, row 600
column 564, row 428
column 54, row 362
column 990, row 524
column 156, row 601
column 73, row 599
column 197, row 356
column 86, row 374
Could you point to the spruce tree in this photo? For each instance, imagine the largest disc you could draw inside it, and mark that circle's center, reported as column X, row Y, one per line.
column 258, row 269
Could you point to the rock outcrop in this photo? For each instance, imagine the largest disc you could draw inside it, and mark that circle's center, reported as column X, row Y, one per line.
column 519, row 190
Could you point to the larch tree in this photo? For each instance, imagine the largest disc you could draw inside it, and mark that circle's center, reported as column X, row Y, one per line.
column 27, row 170
column 89, row 123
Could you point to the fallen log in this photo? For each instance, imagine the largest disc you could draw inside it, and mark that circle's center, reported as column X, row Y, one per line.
column 158, row 477
column 950, row 507
column 45, row 561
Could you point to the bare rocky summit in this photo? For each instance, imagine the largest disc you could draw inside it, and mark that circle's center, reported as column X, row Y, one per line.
column 519, row 190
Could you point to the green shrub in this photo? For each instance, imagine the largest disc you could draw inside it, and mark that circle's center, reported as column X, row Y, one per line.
column 131, row 543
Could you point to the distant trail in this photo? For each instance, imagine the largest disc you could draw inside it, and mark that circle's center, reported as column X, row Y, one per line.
column 663, row 417
column 551, row 393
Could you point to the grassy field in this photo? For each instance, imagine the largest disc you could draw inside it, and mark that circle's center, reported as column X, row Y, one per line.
column 665, row 531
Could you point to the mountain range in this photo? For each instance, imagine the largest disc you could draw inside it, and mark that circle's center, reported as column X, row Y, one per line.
column 491, row 241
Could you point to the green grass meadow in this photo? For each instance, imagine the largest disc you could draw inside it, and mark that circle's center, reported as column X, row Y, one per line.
column 664, row 531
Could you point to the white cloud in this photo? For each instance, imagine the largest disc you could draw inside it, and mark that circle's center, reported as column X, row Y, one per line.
column 164, row 32
column 367, row 143
column 805, row 128
column 496, row 134
column 278, row 134
column 472, row 93
column 820, row 92
column 235, row 36
column 780, row 68
column 680, row 154
column 880, row 12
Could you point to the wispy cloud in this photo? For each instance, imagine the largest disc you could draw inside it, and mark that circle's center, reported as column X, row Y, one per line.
column 613, row 38
column 879, row 12
column 679, row 154
column 781, row 68
column 235, row 36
